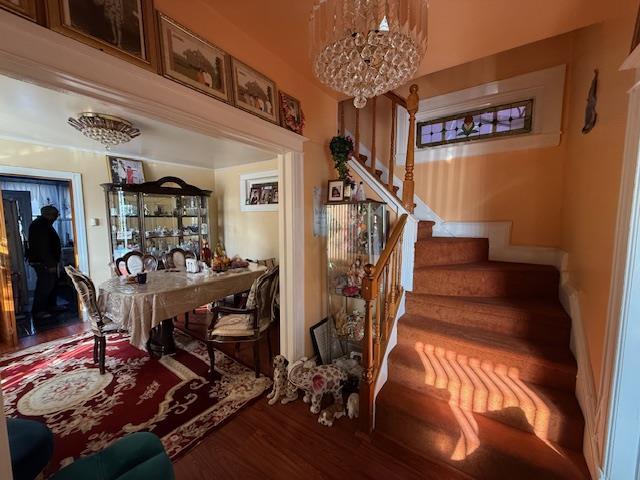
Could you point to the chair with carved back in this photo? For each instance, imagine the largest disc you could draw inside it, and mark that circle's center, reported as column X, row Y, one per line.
column 101, row 326
column 134, row 262
column 120, row 267
column 177, row 258
column 150, row 263
column 249, row 324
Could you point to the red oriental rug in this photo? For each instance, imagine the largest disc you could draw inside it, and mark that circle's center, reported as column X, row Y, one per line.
column 58, row 384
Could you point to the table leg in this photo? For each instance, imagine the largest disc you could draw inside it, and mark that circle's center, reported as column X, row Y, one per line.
column 161, row 341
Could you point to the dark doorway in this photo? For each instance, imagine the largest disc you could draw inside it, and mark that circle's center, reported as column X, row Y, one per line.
column 22, row 199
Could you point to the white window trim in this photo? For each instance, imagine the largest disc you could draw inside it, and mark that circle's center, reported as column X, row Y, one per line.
column 545, row 87
column 247, row 180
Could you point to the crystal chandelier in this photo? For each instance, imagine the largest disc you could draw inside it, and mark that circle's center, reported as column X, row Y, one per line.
column 365, row 48
column 109, row 130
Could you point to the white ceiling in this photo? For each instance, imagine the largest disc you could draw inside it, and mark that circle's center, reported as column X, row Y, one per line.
column 39, row 115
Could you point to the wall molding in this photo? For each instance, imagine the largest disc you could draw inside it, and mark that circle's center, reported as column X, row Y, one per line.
column 500, row 247
column 545, row 87
column 585, row 384
column 75, row 179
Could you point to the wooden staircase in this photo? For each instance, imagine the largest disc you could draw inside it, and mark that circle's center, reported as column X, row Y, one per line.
column 482, row 377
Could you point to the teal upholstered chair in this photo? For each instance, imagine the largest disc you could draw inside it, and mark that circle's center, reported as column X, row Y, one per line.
column 31, row 447
column 139, row 456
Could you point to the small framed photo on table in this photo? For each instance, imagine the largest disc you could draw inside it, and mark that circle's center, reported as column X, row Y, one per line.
column 335, row 191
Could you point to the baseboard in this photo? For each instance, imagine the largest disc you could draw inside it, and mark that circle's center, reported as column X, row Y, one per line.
column 383, row 375
column 585, row 385
column 500, row 248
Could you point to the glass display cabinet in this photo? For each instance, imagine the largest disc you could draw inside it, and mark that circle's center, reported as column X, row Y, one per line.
column 356, row 235
column 153, row 218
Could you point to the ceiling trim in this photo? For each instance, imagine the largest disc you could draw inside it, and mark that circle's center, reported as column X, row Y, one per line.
column 31, row 53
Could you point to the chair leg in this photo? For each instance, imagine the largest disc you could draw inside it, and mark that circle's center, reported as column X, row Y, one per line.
column 186, row 320
column 256, row 357
column 96, row 339
column 103, row 353
column 212, row 362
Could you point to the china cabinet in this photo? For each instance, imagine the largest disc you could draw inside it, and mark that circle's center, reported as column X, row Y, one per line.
column 154, row 217
column 356, row 235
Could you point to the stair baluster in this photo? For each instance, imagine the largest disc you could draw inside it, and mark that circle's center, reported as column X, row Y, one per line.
column 408, row 185
column 380, row 312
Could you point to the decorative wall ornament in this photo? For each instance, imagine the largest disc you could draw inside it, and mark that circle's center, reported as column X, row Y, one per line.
column 590, row 114
column 364, row 48
column 126, row 28
column 109, row 130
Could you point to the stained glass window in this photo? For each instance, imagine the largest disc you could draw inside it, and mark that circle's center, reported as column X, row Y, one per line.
column 502, row 120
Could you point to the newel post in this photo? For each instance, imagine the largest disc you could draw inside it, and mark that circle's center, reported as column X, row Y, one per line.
column 368, row 371
column 408, row 185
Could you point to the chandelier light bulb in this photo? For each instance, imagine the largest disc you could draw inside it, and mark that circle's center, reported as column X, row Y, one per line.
column 365, row 48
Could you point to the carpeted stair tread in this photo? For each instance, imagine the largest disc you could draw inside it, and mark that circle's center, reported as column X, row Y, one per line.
column 544, row 364
column 536, row 319
column 488, row 279
column 430, row 427
column 495, row 394
column 450, row 250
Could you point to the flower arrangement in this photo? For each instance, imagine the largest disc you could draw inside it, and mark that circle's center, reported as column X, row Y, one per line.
column 341, row 149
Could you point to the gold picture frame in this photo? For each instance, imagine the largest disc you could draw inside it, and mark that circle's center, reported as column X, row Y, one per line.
column 291, row 114
column 253, row 92
column 128, row 33
column 193, row 61
column 30, row 9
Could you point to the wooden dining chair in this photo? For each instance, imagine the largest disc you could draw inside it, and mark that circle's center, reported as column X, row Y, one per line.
column 133, row 262
column 177, row 258
column 246, row 325
column 150, row 263
column 121, row 266
column 101, row 326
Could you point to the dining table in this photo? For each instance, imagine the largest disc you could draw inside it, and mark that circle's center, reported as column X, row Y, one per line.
column 146, row 310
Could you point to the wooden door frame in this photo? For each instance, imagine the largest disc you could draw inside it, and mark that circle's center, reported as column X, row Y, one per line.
column 77, row 205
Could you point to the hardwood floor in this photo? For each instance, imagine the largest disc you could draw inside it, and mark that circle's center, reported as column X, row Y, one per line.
column 283, row 441
column 47, row 336
column 287, row 442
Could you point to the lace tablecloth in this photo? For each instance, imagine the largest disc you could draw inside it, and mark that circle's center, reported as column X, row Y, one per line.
column 139, row 308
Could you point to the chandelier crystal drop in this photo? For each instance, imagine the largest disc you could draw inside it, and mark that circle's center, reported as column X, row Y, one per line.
column 109, row 130
column 365, row 48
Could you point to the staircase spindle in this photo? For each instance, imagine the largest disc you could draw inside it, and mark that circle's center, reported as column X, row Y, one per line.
column 357, row 139
column 372, row 167
column 392, row 147
column 341, row 126
column 408, row 186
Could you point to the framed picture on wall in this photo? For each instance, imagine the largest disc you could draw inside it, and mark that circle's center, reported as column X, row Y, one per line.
column 124, row 28
column 254, row 92
column 30, row 9
column 125, row 170
column 335, row 191
column 291, row 116
column 193, row 61
column 259, row 191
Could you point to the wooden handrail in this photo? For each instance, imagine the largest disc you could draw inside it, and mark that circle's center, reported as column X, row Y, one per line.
column 376, row 272
column 379, row 316
column 397, row 99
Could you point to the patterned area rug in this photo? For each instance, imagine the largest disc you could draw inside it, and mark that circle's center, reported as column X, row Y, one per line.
column 58, row 384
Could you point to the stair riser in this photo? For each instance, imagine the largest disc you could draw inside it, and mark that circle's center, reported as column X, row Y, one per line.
column 531, row 369
column 564, row 431
column 507, row 461
column 457, row 252
column 519, row 325
column 486, row 283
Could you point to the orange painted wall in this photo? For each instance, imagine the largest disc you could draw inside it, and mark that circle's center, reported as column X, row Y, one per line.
column 592, row 169
column 320, row 110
